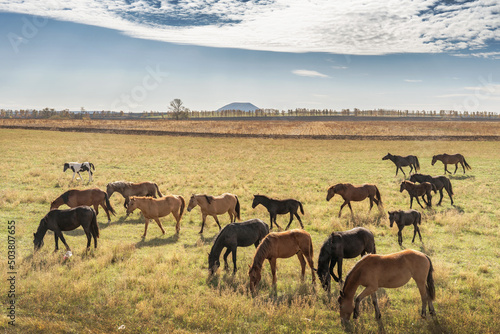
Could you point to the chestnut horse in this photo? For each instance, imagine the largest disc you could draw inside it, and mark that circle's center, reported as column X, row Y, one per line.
column 127, row 189
column 154, row 208
column 213, row 206
column 355, row 193
column 282, row 245
column 387, row 271
column 453, row 159
column 89, row 197
column 415, row 190
column 441, row 182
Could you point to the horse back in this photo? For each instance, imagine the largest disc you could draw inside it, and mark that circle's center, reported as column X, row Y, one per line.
column 70, row 219
column 355, row 242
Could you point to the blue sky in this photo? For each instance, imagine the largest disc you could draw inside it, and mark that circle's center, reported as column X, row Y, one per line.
column 140, row 55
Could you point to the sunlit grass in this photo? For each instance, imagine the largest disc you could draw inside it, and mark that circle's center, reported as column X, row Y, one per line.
column 161, row 284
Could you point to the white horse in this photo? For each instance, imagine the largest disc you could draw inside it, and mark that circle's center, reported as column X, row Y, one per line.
column 77, row 167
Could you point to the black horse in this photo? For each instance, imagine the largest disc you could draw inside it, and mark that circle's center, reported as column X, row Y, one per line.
column 67, row 220
column 235, row 235
column 406, row 218
column 399, row 161
column 340, row 245
column 279, row 207
column 439, row 181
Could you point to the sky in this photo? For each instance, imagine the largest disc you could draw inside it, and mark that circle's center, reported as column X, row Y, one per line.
column 279, row 54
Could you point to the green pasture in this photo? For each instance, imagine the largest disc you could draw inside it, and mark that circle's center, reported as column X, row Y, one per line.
column 161, row 284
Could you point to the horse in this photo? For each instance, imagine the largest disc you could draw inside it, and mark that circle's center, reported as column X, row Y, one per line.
column 355, row 193
column 127, row 189
column 154, row 208
column 340, row 245
column 282, row 245
column 77, row 167
column 235, row 235
column 439, row 181
column 89, row 197
column 415, row 190
column 281, row 207
column 213, row 206
column 67, row 220
column 399, row 161
column 387, row 271
column 451, row 159
column 406, row 218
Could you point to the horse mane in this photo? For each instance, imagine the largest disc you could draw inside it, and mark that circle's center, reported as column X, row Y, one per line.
column 120, row 184
column 209, row 198
column 65, row 196
column 261, row 252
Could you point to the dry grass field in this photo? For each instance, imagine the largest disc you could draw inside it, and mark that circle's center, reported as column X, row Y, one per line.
column 160, row 284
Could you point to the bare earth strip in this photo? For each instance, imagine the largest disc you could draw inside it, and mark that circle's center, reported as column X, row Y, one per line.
column 367, row 130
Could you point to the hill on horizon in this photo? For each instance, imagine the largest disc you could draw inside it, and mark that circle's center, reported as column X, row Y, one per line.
column 243, row 106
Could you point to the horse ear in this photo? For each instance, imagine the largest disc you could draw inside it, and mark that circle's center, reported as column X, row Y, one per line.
column 315, row 269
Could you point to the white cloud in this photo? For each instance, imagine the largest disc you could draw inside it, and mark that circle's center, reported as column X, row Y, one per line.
column 346, row 27
column 412, row 80
column 309, row 73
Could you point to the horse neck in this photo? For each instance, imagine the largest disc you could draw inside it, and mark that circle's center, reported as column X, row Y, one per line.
column 261, row 254
column 264, row 200
column 42, row 229
column 217, row 247
column 351, row 283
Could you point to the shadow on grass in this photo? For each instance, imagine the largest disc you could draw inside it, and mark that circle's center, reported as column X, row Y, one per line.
column 158, row 241
column 462, row 177
column 202, row 241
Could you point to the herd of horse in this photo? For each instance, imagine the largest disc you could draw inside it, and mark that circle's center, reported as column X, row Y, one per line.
column 372, row 271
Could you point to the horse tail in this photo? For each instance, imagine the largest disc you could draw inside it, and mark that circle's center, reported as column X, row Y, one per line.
column 379, row 198
column 183, row 205
column 417, row 164
column 431, row 291
column 237, row 207
column 301, row 208
column 467, row 165
column 419, row 222
column 158, row 190
column 93, row 225
column 92, row 166
column 108, row 204
column 449, row 185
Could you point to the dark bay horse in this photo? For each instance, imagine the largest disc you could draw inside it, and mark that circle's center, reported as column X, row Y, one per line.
column 127, row 189
column 279, row 207
column 282, row 245
column 387, row 271
column 235, row 235
column 399, row 161
column 355, row 193
column 215, row 205
column 339, row 246
column 406, row 218
column 67, row 220
column 416, row 190
column 453, row 159
column 441, row 182
column 89, row 197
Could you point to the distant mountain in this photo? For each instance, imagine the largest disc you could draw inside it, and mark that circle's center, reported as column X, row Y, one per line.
column 243, row 106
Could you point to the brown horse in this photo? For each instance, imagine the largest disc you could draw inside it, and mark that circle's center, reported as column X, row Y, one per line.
column 213, row 206
column 355, row 193
column 416, row 190
column 282, row 245
column 89, row 197
column 387, row 271
column 153, row 208
column 453, row 159
column 127, row 189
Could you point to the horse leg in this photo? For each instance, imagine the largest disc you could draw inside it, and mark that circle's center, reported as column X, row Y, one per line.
column 217, row 221
column 332, row 265
column 275, row 223
column 103, row 204
column 456, row 167
column 291, row 218
column 272, row 263
column 339, row 270
column 375, row 306
column 160, row 225
column 310, row 262
column 203, row 219
column 416, row 197
column 462, row 166
column 402, row 171
column 89, row 238
column 234, row 259
column 74, row 173
column 449, row 195
column 397, row 168
column 441, row 196
column 56, row 240
column 60, row 235
column 371, row 203
column 400, row 236
column 226, row 254
column 145, row 227
column 341, row 207
column 366, row 292
column 424, row 297
column 418, row 231
column 96, row 209
column 300, row 255
column 446, row 169
column 300, row 220
column 350, row 207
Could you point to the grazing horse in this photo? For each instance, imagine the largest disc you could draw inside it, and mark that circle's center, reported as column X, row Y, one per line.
column 355, row 193
column 67, row 220
column 213, row 206
column 127, row 189
column 453, row 159
column 282, row 245
column 406, row 218
column 439, row 181
column 235, row 235
column 399, row 161
column 154, row 208
column 89, row 197
column 387, row 271
column 340, row 245
column 415, row 190
column 281, row 207
column 77, row 167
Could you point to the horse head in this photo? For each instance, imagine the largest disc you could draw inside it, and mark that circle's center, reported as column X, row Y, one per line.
column 192, row 203
column 54, row 205
column 346, row 307
column 255, row 277
column 66, row 166
column 213, row 265
column 132, row 205
column 403, row 186
column 256, row 201
column 387, row 157
column 393, row 216
column 434, row 159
